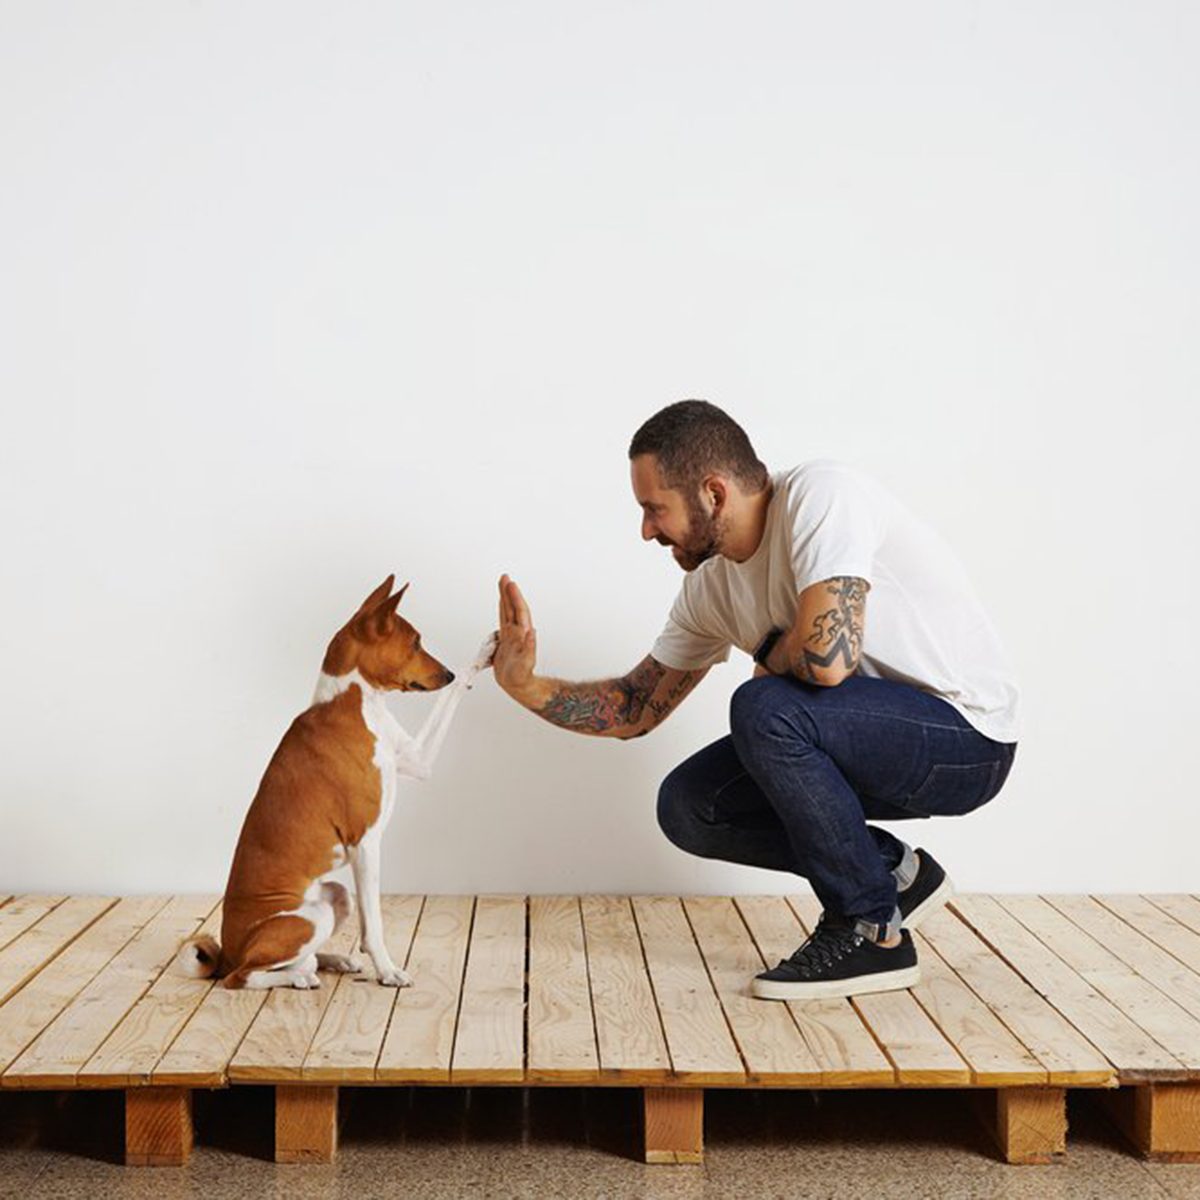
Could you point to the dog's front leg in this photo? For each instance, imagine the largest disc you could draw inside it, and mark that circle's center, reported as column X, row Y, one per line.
column 417, row 756
column 370, row 914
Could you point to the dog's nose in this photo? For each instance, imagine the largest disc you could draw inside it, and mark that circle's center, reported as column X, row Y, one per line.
column 449, row 677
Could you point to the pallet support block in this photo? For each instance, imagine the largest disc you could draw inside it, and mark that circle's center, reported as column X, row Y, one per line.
column 674, row 1124
column 1029, row 1124
column 158, row 1126
column 1161, row 1120
column 305, row 1124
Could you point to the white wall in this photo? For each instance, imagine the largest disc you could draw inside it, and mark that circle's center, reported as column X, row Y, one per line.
column 295, row 295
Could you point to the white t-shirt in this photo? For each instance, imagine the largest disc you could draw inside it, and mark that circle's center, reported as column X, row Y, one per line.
column 924, row 623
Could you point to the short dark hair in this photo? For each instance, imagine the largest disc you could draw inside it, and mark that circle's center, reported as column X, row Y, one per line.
column 692, row 438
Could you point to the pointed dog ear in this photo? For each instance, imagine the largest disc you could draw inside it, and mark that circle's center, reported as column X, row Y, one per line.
column 381, row 618
column 380, row 594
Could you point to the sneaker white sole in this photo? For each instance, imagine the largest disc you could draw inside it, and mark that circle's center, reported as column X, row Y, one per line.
column 931, row 903
column 882, row 981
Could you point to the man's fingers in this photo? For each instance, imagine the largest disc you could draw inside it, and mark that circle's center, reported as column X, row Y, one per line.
column 520, row 608
column 506, row 613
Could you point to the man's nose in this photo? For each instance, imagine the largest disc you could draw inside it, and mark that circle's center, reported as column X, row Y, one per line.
column 649, row 533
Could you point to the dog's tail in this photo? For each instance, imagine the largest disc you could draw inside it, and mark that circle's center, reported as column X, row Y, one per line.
column 199, row 957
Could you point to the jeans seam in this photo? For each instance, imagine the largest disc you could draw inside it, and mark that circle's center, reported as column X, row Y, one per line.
column 729, row 783
column 878, row 716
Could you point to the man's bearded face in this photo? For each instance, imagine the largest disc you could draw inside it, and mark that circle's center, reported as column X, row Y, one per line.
column 702, row 538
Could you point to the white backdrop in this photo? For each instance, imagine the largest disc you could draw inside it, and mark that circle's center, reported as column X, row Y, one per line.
column 294, row 295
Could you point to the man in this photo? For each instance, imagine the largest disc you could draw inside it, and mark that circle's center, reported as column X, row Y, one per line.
column 881, row 689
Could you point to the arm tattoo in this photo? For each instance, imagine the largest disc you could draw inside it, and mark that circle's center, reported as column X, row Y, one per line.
column 661, row 709
column 613, row 706
column 837, row 633
column 610, row 704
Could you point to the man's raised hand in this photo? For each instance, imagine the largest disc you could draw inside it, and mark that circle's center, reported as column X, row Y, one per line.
column 516, row 653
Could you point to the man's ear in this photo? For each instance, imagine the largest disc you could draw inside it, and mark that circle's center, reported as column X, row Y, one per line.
column 714, row 491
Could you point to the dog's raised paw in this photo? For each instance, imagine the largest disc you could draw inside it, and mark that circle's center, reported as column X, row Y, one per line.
column 487, row 652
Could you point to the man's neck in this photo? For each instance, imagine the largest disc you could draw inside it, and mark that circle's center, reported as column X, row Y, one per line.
column 747, row 525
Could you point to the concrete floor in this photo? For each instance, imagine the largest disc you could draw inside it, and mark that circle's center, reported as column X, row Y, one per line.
column 551, row 1142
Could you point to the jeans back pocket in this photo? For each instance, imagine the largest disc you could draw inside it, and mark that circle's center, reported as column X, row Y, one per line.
column 954, row 788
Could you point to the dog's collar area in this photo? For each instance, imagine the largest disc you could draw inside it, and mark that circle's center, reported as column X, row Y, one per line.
column 329, row 686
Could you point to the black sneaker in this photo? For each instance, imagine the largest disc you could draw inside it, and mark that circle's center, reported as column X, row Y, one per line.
column 837, row 961
column 928, row 891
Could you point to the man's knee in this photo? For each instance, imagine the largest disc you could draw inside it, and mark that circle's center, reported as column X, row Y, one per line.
column 767, row 707
column 676, row 809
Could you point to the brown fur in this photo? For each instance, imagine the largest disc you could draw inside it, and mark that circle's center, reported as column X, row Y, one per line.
column 320, row 790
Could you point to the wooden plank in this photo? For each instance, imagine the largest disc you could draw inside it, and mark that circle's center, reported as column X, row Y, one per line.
column 56, row 1057
column 21, row 912
column 775, row 1053
column 489, row 1043
column 158, row 1127
column 47, row 993
column 629, row 1034
column 306, row 1123
column 1161, row 1120
column 915, row 1046
column 1138, row 952
column 1134, row 1054
column 1165, row 1021
column 348, row 1040
column 562, row 1033
column 699, row 1043
column 1164, row 930
column 133, row 1049
column 282, row 1033
column 32, row 950
column 673, row 1121
column 1067, row 1056
column 1185, row 909
column 996, row 1057
column 831, row 1028
column 420, row 1038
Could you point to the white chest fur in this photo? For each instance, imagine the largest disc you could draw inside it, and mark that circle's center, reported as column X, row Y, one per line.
column 388, row 736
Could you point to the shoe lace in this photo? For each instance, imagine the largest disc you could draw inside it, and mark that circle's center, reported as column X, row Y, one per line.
column 828, row 943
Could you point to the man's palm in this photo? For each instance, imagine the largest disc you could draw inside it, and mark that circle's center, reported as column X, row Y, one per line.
column 517, row 651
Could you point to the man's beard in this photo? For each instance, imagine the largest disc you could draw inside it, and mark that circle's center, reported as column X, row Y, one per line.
column 703, row 538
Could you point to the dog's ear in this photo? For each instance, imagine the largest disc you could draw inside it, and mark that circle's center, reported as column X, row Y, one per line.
column 378, row 596
column 381, row 618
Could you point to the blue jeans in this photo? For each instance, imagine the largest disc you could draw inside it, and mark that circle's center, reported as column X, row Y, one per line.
column 803, row 768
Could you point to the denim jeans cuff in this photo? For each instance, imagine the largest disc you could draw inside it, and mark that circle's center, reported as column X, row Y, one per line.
column 880, row 932
column 906, row 870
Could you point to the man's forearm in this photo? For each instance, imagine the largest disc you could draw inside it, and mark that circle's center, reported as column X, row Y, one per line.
column 786, row 658
column 603, row 708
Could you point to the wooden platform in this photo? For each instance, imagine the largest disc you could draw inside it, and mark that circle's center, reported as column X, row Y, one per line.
column 1021, row 997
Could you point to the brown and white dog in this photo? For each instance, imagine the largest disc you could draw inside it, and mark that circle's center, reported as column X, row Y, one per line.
column 325, row 799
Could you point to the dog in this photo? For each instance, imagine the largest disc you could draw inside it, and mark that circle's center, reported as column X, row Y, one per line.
column 325, row 799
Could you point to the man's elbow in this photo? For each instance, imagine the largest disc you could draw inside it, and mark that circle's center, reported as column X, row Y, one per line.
column 824, row 676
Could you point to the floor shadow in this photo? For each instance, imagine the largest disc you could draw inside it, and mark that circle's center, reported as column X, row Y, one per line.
column 87, row 1124
column 237, row 1120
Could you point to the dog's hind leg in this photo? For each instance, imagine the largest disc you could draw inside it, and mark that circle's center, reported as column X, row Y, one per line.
column 298, row 976
column 279, row 953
